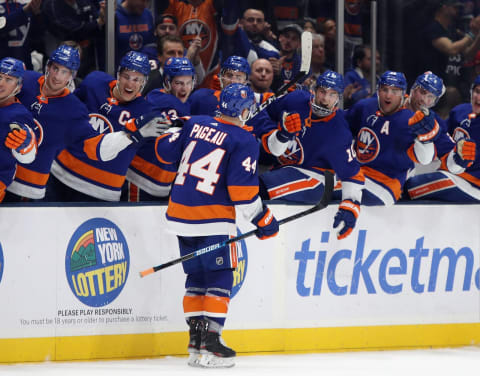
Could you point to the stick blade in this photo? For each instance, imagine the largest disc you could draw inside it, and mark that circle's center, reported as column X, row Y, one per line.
column 306, row 51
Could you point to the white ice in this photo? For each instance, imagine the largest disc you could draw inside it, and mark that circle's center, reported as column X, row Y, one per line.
column 437, row 362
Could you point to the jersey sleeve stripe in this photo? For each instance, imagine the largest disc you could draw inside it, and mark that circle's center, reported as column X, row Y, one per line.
column 154, row 172
column 201, row 212
column 83, row 169
column 392, row 184
column 30, row 176
column 91, row 147
column 242, row 193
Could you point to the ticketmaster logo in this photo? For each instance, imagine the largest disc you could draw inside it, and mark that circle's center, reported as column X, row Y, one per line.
column 420, row 269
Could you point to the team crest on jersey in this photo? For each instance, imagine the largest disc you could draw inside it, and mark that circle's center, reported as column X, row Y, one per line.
column 367, row 145
column 100, row 123
column 135, row 41
column 460, row 133
column 294, row 153
column 353, row 7
column 38, row 130
column 97, row 262
column 191, row 29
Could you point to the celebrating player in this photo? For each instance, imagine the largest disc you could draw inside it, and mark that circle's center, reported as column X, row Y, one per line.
column 217, row 175
column 390, row 139
column 458, row 177
column 62, row 120
column 113, row 106
column 16, row 123
column 298, row 174
column 149, row 180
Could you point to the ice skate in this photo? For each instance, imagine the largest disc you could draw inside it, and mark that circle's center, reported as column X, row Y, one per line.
column 196, row 326
column 214, row 352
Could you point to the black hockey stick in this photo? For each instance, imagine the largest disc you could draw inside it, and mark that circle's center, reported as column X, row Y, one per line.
column 304, row 69
column 324, row 201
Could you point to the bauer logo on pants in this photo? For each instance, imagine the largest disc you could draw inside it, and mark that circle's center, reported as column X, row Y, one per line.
column 1, row 262
column 97, row 262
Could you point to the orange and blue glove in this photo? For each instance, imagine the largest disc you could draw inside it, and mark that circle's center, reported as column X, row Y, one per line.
column 348, row 212
column 289, row 127
column 465, row 152
column 424, row 126
column 267, row 225
column 21, row 138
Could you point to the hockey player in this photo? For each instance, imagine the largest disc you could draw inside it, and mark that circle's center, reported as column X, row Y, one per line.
column 112, row 105
column 16, row 123
column 217, row 176
column 390, row 139
column 459, row 174
column 62, row 120
column 298, row 174
column 148, row 179
column 235, row 69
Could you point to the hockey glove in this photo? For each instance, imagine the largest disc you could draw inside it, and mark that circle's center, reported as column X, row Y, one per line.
column 424, row 126
column 267, row 225
column 21, row 138
column 289, row 127
column 153, row 124
column 348, row 212
column 465, row 152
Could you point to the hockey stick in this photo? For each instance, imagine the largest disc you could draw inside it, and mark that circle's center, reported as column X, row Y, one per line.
column 324, row 201
column 304, row 69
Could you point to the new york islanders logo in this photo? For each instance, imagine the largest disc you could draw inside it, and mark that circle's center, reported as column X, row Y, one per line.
column 100, row 123
column 97, row 262
column 293, row 154
column 353, row 6
column 135, row 41
column 191, row 28
column 367, row 145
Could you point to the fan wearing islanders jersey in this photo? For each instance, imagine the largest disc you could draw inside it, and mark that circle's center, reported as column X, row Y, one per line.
column 112, row 105
column 235, row 69
column 62, row 120
column 326, row 144
column 148, row 179
column 458, row 179
column 217, row 176
column 390, row 139
column 16, row 123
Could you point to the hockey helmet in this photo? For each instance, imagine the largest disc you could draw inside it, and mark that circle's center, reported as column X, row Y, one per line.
column 67, row 56
column 12, row 67
column 329, row 80
column 235, row 98
column 396, row 79
column 236, row 63
column 178, row 66
column 135, row 61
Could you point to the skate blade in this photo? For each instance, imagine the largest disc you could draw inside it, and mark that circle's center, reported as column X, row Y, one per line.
column 194, row 360
column 213, row 361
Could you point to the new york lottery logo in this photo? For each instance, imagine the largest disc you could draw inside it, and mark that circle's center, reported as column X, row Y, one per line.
column 97, row 262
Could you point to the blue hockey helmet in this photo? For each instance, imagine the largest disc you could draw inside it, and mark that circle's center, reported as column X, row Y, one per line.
column 331, row 80
column 476, row 82
column 178, row 66
column 328, row 80
column 12, row 67
column 235, row 98
column 135, row 61
column 430, row 82
column 396, row 79
column 67, row 56
column 236, row 63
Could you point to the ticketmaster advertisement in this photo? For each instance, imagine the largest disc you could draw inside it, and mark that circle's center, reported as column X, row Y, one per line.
column 68, row 272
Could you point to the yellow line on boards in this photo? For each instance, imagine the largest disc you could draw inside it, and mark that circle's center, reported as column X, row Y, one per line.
column 18, row 350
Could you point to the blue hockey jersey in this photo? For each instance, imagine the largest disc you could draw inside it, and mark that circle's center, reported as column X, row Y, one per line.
column 217, row 171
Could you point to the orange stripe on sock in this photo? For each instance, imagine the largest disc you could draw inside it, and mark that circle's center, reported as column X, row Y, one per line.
column 216, row 305
column 193, row 303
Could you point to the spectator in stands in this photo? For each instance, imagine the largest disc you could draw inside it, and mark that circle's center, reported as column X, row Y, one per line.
column 444, row 50
column 261, row 76
column 134, row 28
column 166, row 25
column 329, row 29
column 360, row 75
column 197, row 23
column 255, row 38
column 15, row 34
column 288, row 64
column 309, row 24
column 81, row 21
